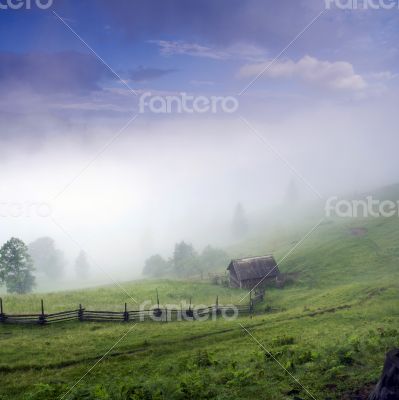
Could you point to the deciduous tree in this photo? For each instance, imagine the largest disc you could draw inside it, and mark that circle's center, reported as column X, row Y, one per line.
column 16, row 267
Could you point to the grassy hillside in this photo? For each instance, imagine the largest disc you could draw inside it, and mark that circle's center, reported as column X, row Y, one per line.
column 113, row 297
column 329, row 329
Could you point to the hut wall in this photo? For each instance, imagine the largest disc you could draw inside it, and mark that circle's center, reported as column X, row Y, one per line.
column 234, row 282
column 251, row 283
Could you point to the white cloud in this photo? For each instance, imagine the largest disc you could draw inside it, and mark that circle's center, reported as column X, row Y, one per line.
column 339, row 75
column 237, row 51
column 383, row 76
column 168, row 48
column 196, row 82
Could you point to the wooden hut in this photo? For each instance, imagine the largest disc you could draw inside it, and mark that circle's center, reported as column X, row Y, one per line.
column 254, row 271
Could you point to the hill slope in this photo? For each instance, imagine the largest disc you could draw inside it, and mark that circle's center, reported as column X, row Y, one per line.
column 329, row 329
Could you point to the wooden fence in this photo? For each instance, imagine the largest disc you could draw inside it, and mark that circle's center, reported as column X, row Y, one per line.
column 158, row 314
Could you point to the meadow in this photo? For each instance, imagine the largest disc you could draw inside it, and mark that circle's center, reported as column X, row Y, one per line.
column 323, row 336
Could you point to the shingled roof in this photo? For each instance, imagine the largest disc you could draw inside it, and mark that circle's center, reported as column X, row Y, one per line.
column 255, row 268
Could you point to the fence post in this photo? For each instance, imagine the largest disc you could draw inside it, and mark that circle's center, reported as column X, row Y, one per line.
column 157, row 298
column 192, row 311
column 2, row 316
column 80, row 313
column 166, row 314
column 217, row 305
column 126, row 314
column 42, row 318
column 251, row 304
column 158, row 312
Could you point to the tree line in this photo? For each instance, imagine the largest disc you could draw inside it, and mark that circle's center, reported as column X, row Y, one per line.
column 19, row 263
column 186, row 262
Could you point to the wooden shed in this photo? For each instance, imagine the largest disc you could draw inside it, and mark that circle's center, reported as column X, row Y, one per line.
column 250, row 272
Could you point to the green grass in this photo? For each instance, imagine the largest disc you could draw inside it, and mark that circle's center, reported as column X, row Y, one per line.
column 330, row 330
column 113, row 297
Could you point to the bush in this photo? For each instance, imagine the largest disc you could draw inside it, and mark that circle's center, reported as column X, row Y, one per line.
column 272, row 356
column 284, row 341
column 44, row 392
column 354, row 341
column 137, row 392
column 289, row 365
column 389, row 332
column 202, row 359
column 336, row 372
column 196, row 387
column 82, row 394
column 240, row 378
column 303, row 357
column 345, row 357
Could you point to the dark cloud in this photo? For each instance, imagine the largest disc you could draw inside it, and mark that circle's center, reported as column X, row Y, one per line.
column 63, row 72
column 143, row 74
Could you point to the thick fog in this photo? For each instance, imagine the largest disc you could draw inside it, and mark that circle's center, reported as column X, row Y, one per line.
column 122, row 198
column 317, row 118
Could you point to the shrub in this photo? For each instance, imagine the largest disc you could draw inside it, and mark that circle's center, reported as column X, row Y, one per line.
column 389, row 332
column 354, row 341
column 303, row 357
column 284, row 341
column 345, row 357
column 44, row 392
column 196, row 387
column 136, row 392
column 272, row 356
column 241, row 378
column 100, row 393
column 289, row 365
column 336, row 372
column 81, row 394
column 202, row 359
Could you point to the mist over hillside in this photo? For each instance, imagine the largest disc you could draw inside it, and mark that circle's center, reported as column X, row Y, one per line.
column 159, row 183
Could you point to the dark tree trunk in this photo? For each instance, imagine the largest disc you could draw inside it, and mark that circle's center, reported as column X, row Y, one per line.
column 388, row 386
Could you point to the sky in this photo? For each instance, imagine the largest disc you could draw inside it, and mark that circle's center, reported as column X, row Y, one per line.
column 315, row 90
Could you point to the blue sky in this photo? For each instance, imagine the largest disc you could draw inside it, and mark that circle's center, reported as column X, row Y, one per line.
column 198, row 47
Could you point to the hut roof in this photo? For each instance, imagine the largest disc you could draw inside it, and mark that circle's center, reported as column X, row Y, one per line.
column 254, row 268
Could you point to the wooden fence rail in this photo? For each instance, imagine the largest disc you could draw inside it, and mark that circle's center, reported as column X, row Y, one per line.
column 158, row 314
